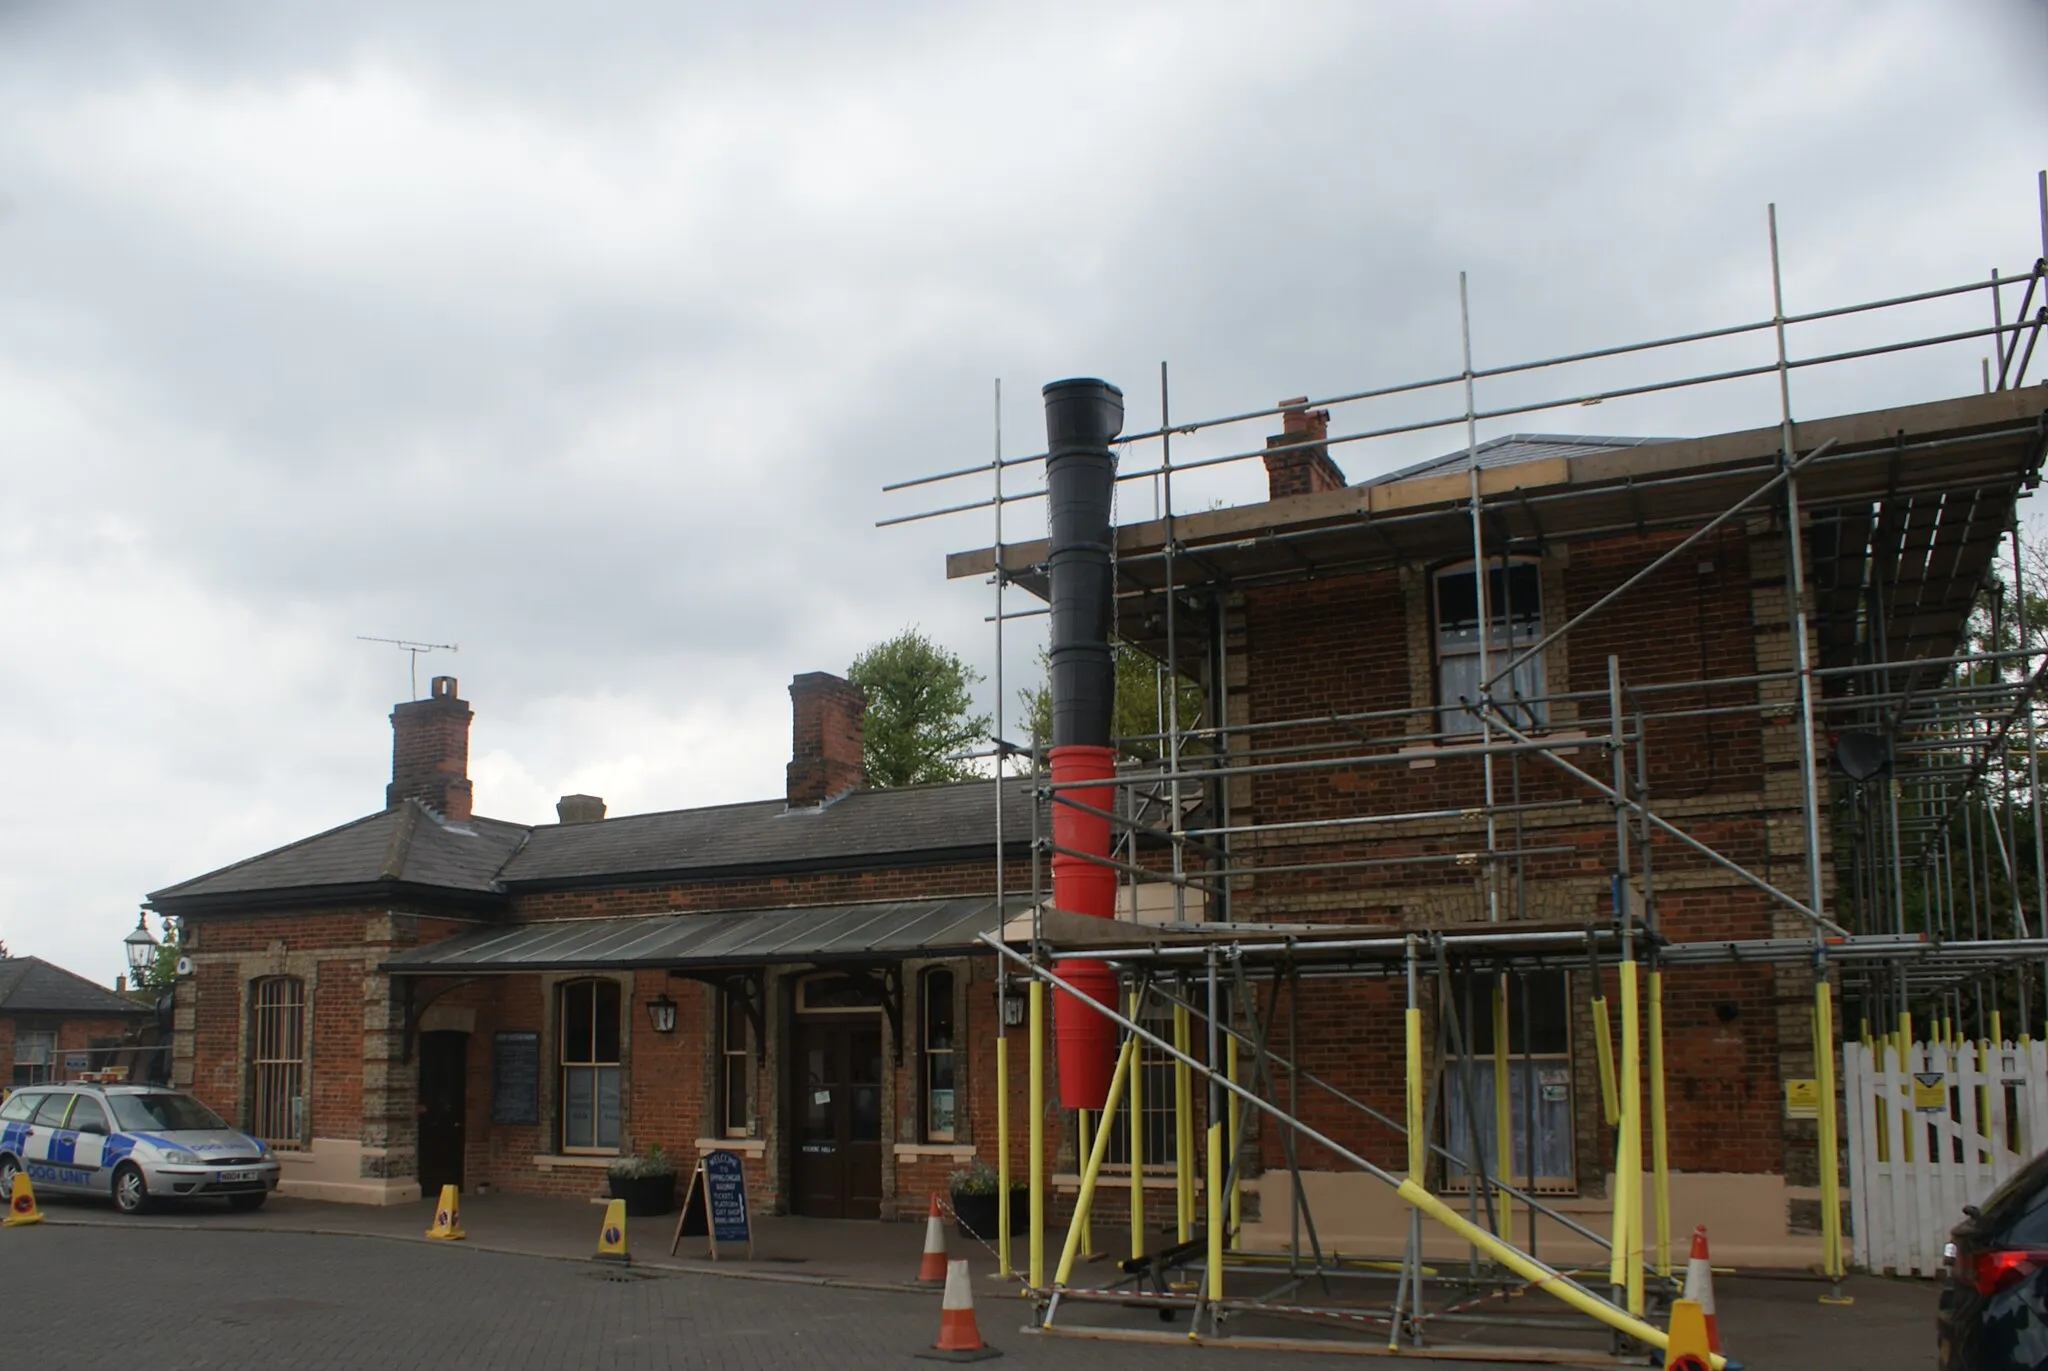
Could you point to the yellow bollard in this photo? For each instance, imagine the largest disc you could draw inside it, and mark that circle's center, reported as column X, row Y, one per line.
column 448, row 1217
column 21, row 1204
column 611, row 1239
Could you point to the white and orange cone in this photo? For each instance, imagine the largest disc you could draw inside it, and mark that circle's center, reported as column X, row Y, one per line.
column 931, row 1270
column 1699, row 1285
column 959, row 1336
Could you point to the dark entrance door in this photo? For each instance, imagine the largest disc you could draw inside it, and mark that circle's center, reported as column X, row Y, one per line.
column 838, row 1109
column 444, row 1085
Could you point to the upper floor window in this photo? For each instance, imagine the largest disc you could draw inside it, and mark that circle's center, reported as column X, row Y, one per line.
column 1514, row 603
column 277, row 1060
column 589, row 1055
column 937, row 1043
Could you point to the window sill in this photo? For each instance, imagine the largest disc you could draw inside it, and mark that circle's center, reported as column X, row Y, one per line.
column 574, row 1161
column 746, row 1147
column 910, row 1152
column 1564, row 741
column 1119, row 1178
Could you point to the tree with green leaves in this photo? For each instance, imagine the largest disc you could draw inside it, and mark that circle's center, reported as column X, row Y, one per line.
column 1141, row 706
column 920, row 715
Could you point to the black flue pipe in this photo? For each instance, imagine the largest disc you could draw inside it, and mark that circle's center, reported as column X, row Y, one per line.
column 1081, row 417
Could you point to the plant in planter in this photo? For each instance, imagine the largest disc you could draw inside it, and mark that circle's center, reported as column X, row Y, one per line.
column 977, row 1206
column 647, row 1183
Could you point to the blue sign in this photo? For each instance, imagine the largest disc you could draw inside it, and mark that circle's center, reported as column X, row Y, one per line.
column 725, row 1190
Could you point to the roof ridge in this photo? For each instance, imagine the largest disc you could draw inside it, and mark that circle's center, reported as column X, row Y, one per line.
column 400, row 846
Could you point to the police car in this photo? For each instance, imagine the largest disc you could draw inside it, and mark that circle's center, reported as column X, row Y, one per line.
column 136, row 1143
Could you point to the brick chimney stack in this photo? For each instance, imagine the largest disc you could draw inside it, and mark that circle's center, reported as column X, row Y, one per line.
column 430, row 752
column 1305, row 470
column 825, row 747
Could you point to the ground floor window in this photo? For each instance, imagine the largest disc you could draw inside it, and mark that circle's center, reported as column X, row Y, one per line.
column 277, row 1060
column 1539, row 1073
column 1156, row 1096
column 735, row 1066
column 937, row 1047
column 35, row 1057
column 589, row 1040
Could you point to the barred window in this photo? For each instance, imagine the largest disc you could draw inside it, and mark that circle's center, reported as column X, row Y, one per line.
column 937, row 1044
column 589, row 1037
column 735, row 1066
column 35, row 1057
column 277, row 1061
column 1155, row 1098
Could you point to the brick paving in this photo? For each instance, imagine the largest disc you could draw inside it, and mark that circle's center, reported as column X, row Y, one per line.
column 204, row 1290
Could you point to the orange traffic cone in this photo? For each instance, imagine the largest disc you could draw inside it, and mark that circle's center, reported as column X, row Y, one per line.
column 931, row 1270
column 959, row 1337
column 1699, row 1285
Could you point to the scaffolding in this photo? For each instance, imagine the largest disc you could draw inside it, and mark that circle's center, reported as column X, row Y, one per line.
column 1907, row 874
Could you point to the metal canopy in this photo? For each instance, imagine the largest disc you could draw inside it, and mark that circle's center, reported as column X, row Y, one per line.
column 751, row 937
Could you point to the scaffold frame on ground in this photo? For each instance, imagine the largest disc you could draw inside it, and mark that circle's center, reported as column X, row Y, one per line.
column 1893, row 525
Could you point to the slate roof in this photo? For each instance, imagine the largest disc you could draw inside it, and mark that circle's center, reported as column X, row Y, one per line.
column 817, row 933
column 1511, row 449
column 30, row 985
column 408, row 845
column 863, row 824
column 412, row 846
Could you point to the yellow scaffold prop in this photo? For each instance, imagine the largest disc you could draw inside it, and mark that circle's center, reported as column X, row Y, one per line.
column 1125, row 1093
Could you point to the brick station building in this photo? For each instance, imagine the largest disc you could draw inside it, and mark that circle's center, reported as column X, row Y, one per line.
column 426, row 995
column 56, row 1025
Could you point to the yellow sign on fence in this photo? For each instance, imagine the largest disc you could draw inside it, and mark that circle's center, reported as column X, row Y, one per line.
column 1930, row 1092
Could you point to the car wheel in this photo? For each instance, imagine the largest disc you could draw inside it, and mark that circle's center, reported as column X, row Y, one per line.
column 8, row 1169
column 248, row 1204
column 131, row 1192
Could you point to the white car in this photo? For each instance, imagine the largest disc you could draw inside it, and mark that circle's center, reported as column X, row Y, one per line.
column 135, row 1143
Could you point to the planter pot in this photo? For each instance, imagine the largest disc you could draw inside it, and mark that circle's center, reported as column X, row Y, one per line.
column 977, row 1216
column 645, row 1196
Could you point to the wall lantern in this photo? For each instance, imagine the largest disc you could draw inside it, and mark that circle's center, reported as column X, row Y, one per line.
column 662, row 1010
column 141, row 950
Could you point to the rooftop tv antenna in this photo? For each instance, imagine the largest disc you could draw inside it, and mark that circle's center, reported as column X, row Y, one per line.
column 407, row 645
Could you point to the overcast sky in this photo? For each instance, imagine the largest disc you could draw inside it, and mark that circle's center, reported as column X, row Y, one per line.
column 585, row 336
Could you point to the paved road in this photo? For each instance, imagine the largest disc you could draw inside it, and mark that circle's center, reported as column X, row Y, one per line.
column 91, row 1297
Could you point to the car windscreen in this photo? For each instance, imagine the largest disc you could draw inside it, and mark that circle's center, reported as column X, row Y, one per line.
column 162, row 1113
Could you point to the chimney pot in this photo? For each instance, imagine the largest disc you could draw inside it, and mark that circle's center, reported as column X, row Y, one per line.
column 579, row 809
column 828, row 717
column 430, row 752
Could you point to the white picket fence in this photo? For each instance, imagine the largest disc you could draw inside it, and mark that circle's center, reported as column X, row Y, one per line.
column 1926, row 1136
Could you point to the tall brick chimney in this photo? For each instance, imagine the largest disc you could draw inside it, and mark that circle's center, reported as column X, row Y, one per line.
column 825, row 746
column 1305, row 470
column 430, row 752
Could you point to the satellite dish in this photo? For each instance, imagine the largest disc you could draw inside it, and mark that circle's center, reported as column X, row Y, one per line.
column 1863, row 756
column 184, row 966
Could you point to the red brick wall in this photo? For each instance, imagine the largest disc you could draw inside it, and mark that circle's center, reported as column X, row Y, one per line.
column 764, row 892
column 335, row 1089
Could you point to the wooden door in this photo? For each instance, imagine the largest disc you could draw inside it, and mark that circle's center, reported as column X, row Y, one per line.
column 837, row 1110
column 444, row 1088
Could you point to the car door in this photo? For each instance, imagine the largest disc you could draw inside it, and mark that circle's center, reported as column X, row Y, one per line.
column 85, row 1131
column 43, row 1132
column 15, row 1113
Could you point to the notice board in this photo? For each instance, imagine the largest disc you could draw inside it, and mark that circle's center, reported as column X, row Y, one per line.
column 515, row 1077
column 715, row 1207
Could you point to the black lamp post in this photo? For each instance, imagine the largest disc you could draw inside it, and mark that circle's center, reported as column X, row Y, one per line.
column 662, row 1010
column 141, row 950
